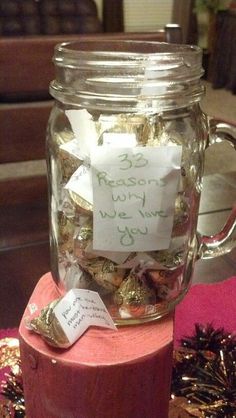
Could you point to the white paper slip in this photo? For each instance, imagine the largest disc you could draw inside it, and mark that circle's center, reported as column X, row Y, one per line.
column 81, row 183
column 117, row 257
column 84, row 130
column 145, row 260
column 73, row 148
column 80, row 309
column 134, row 191
column 116, row 139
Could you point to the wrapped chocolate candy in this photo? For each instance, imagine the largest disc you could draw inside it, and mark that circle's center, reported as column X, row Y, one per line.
column 83, row 239
column 134, row 295
column 169, row 259
column 106, row 273
column 140, row 125
column 69, row 164
column 81, row 204
column 181, row 216
column 47, row 325
column 66, row 231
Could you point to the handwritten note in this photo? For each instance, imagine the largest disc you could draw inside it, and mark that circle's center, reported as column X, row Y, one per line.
column 78, row 310
column 134, row 192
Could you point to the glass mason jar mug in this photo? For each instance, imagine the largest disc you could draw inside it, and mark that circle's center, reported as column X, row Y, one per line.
column 126, row 142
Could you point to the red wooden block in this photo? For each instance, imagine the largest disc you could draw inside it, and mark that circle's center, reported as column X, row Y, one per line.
column 105, row 374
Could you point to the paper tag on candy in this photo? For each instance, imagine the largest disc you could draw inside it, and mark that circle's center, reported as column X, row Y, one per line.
column 134, row 191
column 80, row 309
column 81, row 183
column 84, row 130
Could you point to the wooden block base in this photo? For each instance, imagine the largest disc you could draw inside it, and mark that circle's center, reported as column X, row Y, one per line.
column 105, row 374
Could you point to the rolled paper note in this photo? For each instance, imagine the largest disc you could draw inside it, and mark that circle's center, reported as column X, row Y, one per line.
column 47, row 325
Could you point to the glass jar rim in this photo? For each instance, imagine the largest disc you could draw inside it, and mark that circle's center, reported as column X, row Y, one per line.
column 98, row 73
column 126, row 50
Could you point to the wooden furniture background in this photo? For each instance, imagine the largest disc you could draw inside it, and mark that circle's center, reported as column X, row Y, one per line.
column 223, row 59
column 48, row 17
column 26, row 70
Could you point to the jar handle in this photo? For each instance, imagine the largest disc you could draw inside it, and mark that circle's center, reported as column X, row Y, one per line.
column 225, row 240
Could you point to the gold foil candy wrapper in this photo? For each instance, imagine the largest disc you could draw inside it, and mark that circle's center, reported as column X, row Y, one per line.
column 68, row 163
column 169, row 259
column 82, row 206
column 66, row 230
column 133, row 296
column 181, row 217
column 106, row 273
column 47, row 325
column 83, row 239
column 62, row 137
column 139, row 124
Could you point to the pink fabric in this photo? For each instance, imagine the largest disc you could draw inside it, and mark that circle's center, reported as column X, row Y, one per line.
column 207, row 303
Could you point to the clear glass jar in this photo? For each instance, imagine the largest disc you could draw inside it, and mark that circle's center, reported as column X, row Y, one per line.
column 126, row 140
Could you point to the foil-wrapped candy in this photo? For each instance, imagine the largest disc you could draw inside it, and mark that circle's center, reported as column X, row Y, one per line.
column 105, row 273
column 181, row 216
column 169, row 259
column 82, row 206
column 83, row 239
column 139, row 124
column 47, row 325
column 66, row 231
column 68, row 163
column 133, row 296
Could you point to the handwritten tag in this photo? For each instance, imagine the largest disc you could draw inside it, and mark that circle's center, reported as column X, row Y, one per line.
column 81, row 183
column 78, row 310
column 84, row 130
column 134, row 191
